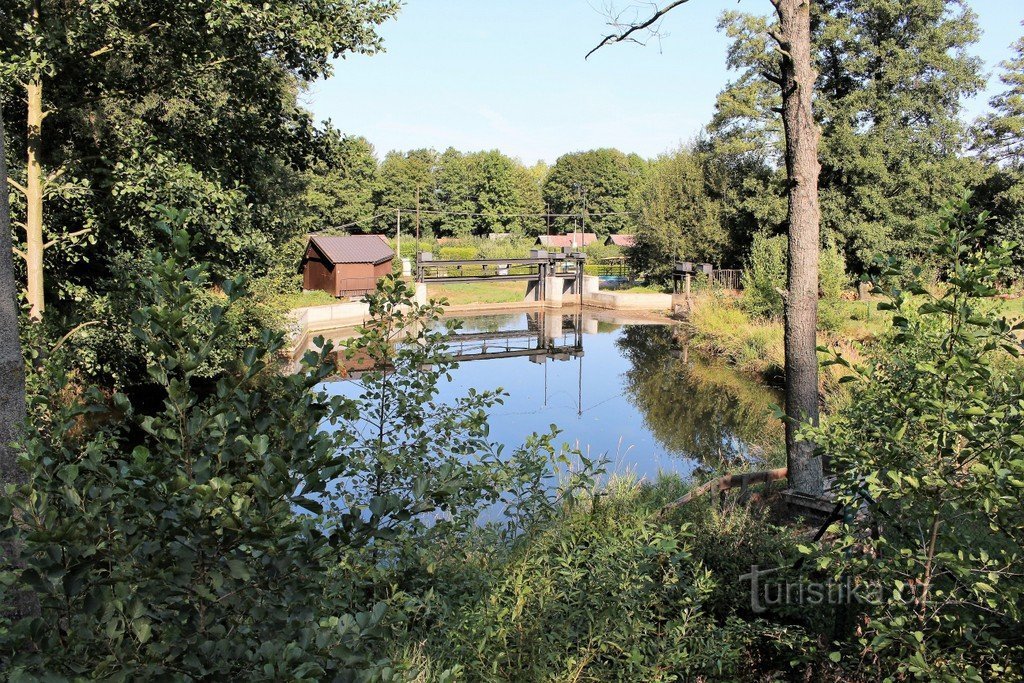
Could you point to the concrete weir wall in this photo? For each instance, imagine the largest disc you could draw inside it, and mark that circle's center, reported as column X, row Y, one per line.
column 629, row 301
column 560, row 292
column 328, row 317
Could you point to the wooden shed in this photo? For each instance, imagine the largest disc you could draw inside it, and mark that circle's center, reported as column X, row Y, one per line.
column 345, row 265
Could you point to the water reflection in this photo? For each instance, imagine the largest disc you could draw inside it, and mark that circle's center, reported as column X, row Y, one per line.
column 693, row 405
column 614, row 384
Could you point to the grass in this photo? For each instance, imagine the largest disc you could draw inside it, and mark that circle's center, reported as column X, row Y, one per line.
column 287, row 302
column 721, row 328
column 463, row 293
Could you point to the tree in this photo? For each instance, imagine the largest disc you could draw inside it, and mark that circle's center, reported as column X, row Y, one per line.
column 1000, row 135
column 407, row 181
column 82, row 68
column 339, row 185
column 892, row 76
column 795, row 75
column 12, row 366
column 606, row 180
column 681, row 220
column 929, row 464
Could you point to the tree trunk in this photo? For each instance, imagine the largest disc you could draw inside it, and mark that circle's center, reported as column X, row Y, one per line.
column 801, row 301
column 12, row 368
column 34, row 199
column 12, row 376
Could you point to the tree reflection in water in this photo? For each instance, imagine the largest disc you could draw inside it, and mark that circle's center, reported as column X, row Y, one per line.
column 694, row 406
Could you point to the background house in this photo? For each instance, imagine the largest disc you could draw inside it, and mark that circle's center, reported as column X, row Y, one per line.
column 621, row 240
column 345, row 265
column 574, row 240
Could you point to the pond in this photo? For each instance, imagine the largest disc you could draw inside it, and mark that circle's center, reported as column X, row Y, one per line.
column 616, row 386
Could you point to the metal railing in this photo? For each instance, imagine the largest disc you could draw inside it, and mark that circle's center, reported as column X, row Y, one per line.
column 728, row 279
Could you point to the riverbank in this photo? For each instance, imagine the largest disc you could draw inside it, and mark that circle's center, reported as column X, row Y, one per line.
column 718, row 326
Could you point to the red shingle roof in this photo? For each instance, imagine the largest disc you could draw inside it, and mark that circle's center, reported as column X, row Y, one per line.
column 578, row 239
column 353, row 248
column 621, row 240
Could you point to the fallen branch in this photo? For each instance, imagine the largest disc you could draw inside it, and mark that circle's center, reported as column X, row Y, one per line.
column 726, row 482
column 71, row 333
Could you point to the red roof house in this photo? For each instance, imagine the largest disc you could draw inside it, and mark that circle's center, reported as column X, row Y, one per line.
column 345, row 265
column 574, row 240
column 620, row 240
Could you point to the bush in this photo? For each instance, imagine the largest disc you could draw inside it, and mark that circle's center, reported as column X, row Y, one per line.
column 457, row 253
column 765, row 275
column 217, row 530
column 929, row 461
column 165, row 543
column 611, row 591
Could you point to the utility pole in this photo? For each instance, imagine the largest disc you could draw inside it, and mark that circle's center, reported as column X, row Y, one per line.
column 399, row 233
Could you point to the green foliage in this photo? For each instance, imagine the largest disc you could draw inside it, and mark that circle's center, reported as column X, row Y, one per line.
column 891, row 79
column 930, row 463
column 765, row 276
column 612, row 592
column 219, row 527
column 1000, row 135
column 457, row 253
column 338, row 187
column 163, row 541
column 681, row 220
column 480, row 192
column 612, row 182
column 154, row 104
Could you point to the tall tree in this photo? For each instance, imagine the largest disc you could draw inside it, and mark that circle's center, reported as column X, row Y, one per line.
column 407, row 180
column 681, row 219
column 795, row 75
column 12, row 367
column 1000, row 134
column 338, row 186
column 999, row 137
column 892, row 76
column 603, row 184
column 77, row 63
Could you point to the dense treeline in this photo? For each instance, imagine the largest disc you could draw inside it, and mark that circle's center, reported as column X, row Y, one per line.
column 205, row 118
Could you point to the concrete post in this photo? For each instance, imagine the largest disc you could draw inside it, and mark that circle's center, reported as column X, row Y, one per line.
column 553, row 291
column 421, row 293
column 591, row 284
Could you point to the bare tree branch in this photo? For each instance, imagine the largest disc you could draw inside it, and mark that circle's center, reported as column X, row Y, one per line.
column 17, row 186
column 71, row 333
column 19, row 252
column 627, row 34
column 70, row 236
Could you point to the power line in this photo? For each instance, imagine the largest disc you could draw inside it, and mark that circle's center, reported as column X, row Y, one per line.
column 519, row 215
column 360, row 221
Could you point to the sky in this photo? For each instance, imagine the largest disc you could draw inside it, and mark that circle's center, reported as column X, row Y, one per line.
column 510, row 75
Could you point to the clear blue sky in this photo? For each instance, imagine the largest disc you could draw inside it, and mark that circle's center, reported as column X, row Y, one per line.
column 510, row 75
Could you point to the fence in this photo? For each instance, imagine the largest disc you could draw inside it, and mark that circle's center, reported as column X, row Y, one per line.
column 728, row 279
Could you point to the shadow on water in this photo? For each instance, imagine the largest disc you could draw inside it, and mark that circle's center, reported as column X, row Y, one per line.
column 615, row 385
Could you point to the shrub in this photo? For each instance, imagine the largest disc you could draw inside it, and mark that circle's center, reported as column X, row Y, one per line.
column 765, row 275
column 217, row 530
column 165, row 543
column 457, row 253
column 609, row 591
column 929, row 461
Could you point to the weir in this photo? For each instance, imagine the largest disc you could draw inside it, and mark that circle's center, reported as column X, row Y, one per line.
column 549, row 277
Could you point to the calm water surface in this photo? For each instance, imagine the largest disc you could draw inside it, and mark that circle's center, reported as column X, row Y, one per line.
column 614, row 386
